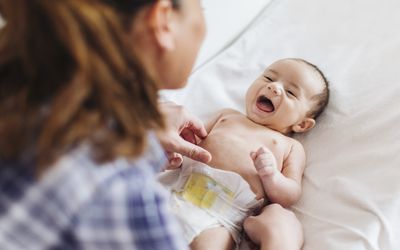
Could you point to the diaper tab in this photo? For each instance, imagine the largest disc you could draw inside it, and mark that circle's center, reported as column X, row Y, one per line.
column 219, row 201
column 204, row 192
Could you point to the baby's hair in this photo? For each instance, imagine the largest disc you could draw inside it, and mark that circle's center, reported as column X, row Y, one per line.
column 321, row 99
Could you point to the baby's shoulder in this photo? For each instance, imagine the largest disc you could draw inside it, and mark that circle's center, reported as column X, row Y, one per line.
column 296, row 146
column 290, row 142
column 229, row 111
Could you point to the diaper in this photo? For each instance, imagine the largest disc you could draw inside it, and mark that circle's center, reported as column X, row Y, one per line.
column 203, row 197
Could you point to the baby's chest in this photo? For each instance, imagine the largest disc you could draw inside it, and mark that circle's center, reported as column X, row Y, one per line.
column 252, row 136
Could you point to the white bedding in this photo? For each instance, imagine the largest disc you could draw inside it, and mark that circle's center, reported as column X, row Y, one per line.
column 226, row 20
column 352, row 179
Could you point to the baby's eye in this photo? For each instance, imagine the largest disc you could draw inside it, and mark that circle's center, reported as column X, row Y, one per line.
column 268, row 78
column 290, row 93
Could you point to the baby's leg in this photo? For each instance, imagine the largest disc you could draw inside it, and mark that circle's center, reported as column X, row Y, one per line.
column 275, row 228
column 217, row 238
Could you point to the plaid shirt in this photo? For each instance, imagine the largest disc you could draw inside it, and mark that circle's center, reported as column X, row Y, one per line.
column 80, row 205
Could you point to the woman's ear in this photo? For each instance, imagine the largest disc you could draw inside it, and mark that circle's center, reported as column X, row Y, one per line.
column 161, row 24
column 303, row 126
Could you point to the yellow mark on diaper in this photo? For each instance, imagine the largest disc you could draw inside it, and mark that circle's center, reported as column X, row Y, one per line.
column 203, row 191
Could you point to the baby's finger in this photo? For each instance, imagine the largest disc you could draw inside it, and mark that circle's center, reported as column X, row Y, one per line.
column 263, row 162
column 263, row 150
column 253, row 155
column 265, row 171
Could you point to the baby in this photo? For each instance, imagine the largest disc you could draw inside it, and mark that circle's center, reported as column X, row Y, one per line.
column 254, row 159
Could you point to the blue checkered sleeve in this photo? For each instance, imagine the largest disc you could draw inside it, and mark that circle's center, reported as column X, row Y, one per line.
column 129, row 212
column 80, row 204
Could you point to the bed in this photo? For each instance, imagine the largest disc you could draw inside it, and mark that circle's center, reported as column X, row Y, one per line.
column 351, row 185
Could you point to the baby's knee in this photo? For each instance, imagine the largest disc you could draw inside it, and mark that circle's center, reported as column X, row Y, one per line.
column 276, row 211
column 273, row 222
column 268, row 217
column 278, row 217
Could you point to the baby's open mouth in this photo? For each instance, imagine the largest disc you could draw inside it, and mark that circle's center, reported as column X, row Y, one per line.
column 265, row 104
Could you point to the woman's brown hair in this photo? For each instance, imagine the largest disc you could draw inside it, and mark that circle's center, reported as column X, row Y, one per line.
column 67, row 77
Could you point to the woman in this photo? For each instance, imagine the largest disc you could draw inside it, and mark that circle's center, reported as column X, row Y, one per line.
column 79, row 83
column 78, row 104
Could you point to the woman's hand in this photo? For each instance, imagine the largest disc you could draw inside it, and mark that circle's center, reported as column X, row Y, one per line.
column 179, row 138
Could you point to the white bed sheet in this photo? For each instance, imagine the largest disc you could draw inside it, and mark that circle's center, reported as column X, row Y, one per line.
column 225, row 21
column 352, row 179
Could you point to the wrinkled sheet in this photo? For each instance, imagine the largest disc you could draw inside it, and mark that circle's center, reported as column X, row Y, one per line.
column 351, row 184
column 226, row 20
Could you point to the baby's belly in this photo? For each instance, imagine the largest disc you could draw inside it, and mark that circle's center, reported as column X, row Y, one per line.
column 237, row 159
column 231, row 152
column 247, row 171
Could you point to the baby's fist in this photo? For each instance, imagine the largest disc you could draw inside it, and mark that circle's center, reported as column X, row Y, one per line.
column 264, row 161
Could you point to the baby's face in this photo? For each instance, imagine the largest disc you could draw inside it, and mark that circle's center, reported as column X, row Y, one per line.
column 282, row 96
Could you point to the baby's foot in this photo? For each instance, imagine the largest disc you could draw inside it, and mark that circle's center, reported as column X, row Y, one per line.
column 265, row 163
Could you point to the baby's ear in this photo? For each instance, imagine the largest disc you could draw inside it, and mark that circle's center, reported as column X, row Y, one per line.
column 303, row 126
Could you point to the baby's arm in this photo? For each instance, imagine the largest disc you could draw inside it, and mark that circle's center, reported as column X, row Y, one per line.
column 282, row 187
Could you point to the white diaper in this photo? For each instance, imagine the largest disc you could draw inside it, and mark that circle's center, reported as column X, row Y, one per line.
column 203, row 197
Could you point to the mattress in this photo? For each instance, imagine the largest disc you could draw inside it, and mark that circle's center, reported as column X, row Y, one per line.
column 351, row 184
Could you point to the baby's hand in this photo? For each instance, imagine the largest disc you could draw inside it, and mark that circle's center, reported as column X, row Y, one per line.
column 264, row 161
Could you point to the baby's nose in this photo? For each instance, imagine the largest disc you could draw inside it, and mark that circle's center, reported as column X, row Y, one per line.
column 274, row 89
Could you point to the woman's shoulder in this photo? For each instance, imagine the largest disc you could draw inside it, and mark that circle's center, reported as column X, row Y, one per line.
column 81, row 167
column 75, row 182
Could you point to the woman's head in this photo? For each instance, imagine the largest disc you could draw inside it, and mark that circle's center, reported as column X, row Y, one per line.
column 74, row 71
column 168, row 36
